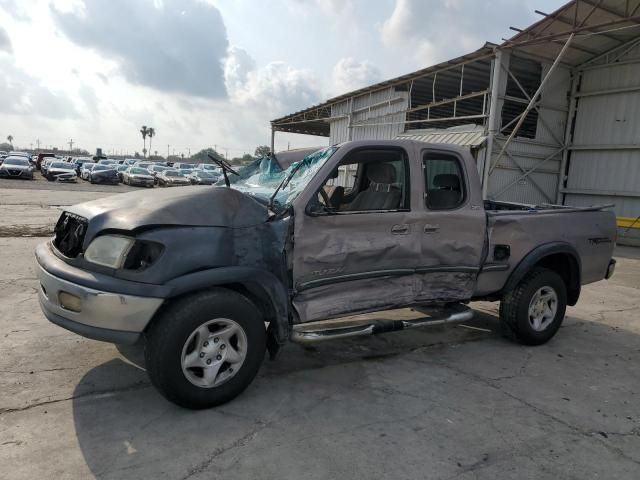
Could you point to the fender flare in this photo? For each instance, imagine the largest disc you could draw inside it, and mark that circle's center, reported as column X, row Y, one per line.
column 259, row 282
column 541, row 252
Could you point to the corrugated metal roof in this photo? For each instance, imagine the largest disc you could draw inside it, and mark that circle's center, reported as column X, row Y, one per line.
column 600, row 26
column 463, row 135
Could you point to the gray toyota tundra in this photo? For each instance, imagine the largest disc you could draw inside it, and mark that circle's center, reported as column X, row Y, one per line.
column 210, row 278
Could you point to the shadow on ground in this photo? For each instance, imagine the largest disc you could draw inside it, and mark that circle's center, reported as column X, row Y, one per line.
column 432, row 403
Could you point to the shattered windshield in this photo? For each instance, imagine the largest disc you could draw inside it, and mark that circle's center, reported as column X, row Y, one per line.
column 262, row 178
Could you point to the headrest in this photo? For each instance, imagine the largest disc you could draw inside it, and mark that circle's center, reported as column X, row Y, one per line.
column 447, row 180
column 381, row 173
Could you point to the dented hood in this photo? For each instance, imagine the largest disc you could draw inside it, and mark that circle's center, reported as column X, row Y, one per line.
column 185, row 206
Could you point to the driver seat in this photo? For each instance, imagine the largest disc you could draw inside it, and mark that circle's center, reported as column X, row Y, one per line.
column 381, row 194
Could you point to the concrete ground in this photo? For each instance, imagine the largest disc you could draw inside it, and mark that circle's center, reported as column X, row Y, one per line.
column 449, row 402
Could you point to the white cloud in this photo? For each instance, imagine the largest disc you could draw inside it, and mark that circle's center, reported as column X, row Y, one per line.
column 349, row 74
column 433, row 33
column 272, row 90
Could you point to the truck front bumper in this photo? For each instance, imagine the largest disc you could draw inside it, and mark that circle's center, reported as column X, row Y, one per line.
column 100, row 315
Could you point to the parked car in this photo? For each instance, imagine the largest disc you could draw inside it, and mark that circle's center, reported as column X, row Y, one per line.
column 410, row 227
column 209, row 167
column 85, row 170
column 156, row 169
column 45, row 164
column 41, row 157
column 107, row 161
column 144, row 165
column 79, row 162
column 121, row 169
column 61, row 171
column 136, row 176
column 202, row 177
column 183, row 166
column 101, row 173
column 172, row 178
column 16, row 167
column 130, row 161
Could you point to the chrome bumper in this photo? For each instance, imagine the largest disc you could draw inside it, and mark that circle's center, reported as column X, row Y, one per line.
column 106, row 316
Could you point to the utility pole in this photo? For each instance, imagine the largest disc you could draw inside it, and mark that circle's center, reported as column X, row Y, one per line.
column 71, row 144
column 168, row 150
column 189, row 149
column 38, row 143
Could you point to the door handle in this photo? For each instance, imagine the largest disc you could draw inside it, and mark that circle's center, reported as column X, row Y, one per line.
column 400, row 229
column 431, row 228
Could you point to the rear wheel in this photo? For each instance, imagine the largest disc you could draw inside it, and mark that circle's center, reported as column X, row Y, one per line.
column 205, row 349
column 533, row 311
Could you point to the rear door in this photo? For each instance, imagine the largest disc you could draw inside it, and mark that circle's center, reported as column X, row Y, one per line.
column 452, row 233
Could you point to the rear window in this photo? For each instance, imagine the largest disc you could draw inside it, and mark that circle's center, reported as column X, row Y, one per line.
column 102, row 167
column 173, row 173
column 444, row 181
column 60, row 165
column 138, row 171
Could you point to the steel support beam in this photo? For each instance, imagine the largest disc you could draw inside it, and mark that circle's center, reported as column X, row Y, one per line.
column 568, row 133
column 495, row 113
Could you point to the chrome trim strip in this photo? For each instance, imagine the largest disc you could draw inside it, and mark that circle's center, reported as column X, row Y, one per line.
column 385, row 273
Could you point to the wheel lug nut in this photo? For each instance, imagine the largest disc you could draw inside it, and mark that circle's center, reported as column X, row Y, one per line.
column 216, row 340
column 223, row 346
column 201, row 354
column 208, row 361
column 230, row 370
column 206, row 344
column 218, row 357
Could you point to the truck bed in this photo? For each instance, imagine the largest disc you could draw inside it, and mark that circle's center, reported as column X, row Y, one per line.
column 523, row 228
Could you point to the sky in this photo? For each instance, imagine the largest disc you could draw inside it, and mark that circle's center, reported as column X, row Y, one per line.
column 215, row 72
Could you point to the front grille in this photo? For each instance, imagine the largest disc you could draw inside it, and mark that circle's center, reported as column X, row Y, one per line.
column 70, row 231
column 14, row 172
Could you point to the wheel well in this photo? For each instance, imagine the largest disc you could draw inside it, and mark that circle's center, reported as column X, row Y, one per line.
column 253, row 293
column 567, row 267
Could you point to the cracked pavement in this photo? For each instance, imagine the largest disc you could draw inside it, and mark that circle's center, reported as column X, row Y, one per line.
column 441, row 403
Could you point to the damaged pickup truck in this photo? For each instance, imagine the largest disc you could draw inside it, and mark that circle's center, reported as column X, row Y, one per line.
column 196, row 274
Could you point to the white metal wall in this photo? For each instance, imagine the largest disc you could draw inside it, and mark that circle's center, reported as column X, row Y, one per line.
column 509, row 181
column 604, row 165
column 386, row 106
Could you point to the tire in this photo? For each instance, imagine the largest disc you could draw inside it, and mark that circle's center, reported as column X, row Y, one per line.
column 173, row 338
column 529, row 322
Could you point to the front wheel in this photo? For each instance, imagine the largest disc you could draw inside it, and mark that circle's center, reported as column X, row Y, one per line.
column 532, row 312
column 204, row 349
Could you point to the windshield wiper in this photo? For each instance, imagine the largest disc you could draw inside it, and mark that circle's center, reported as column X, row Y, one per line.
column 285, row 181
column 225, row 168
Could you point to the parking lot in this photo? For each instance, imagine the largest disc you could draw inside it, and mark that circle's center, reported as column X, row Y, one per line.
column 441, row 403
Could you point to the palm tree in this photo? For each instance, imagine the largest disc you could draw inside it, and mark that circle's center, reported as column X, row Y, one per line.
column 144, row 131
column 150, row 132
column 10, row 140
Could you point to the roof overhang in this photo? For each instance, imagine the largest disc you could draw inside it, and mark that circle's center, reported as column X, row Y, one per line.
column 315, row 120
column 599, row 27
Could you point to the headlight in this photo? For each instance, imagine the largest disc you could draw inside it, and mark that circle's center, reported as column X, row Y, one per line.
column 116, row 251
column 109, row 250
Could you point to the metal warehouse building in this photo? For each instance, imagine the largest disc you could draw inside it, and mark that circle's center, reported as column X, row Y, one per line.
column 552, row 115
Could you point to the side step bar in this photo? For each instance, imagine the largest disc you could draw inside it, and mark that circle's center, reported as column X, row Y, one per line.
column 437, row 316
